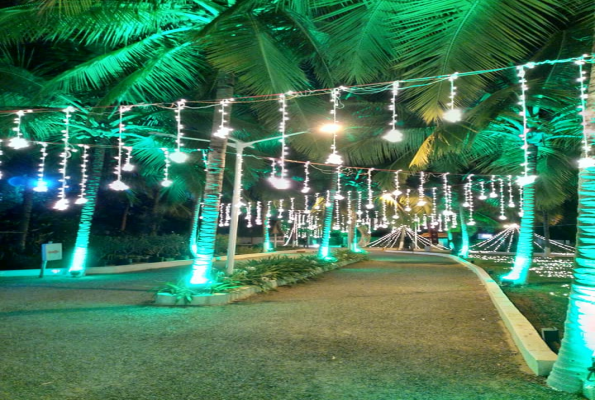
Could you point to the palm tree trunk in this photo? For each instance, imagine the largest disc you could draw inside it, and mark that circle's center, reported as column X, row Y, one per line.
column 194, row 227
column 124, row 220
column 25, row 219
column 402, row 240
column 524, row 253
column 324, row 249
column 578, row 345
column 156, row 217
column 464, row 250
column 266, row 235
column 203, row 262
column 79, row 258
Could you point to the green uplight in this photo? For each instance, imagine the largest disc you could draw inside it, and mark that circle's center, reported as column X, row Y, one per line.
column 200, row 270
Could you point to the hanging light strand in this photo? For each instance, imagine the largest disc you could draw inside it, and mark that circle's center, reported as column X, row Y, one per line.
column 224, row 130
column 166, row 182
column 63, row 203
column 586, row 161
column 41, row 185
column 306, row 188
column 453, row 114
column 334, row 157
column 526, row 178
column 19, row 142
column 82, row 199
column 394, row 135
column 370, row 204
column 178, row 156
column 118, row 184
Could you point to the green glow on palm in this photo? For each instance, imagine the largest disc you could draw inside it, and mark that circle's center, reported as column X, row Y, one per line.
column 464, row 252
column 203, row 261
column 324, row 249
column 578, row 345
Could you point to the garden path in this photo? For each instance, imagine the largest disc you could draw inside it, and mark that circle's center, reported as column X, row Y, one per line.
column 400, row 326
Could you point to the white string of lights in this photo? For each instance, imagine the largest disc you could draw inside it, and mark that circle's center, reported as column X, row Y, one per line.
column 370, row 204
column 493, row 193
column 84, row 177
column 316, row 204
column 118, row 184
column 128, row 166
column 334, row 157
column 19, row 142
column 227, row 214
column 453, row 114
column 586, row 160
column 282, row 182
column 510, row 194
column 221, row 214
column 280, row 210
column 179, row 156
column 394, row 135
column 338, row 195
column 421, row 196
column 384, row 219
column 166, row 182
column 502, row 215
column 248, row 216
column 470, row 221
column 349, row 216
column 224, row 130
column 41, row 185
column 1, row 175
column 482, row 191
column 269, row 214
column 337, row 224
column 306, row 187
column 327, row 200
column 526, row 179
column 63, row 203
column 258, row 220
column 273, row 178
column 397, row 190
column 291, row 210
column 306, row 204
column 408, row 200
column 434, row 207
column 359, row 211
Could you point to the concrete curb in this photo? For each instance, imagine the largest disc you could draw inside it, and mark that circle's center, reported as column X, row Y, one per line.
column 218, row 299
column 538, row 356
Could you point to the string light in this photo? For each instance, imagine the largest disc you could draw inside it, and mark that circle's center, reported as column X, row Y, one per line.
column 248, row 216
column 471, row 221
column 41, row 185
column 421, row 201
column 118, row 184
column 384, row 219
column 370, row 204
column 493, row 193
column 482, row 191
column 268, row 214
column 84, row 177
column 306, row 204
column 586, row 161
column 434, row 207
column 328, row 199
column 227, row 214
column 306, row 188
column 291, row 210
column 19, row 142
column 394, row 135
column 510, row 195
column 316, row 196
column 502, row 216
column 397, row 191
column 334, row 157
column 178, row 156
column 349, row 216
column 224, row 130
column 359, row 211
column 282, row 182
column 1, row 174
column 453, row 114
column 338, row 195
column 407, row 200
column 447, row 195
column 258, row 220
column 63, row 203
column 128, row 166
column 337, row 224
column 526, row 179
column 166, row 182
column 221, row 214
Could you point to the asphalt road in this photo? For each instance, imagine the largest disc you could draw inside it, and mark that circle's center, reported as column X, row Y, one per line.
column 396, row 327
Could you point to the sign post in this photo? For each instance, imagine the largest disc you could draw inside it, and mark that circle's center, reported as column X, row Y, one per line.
column 49, row 252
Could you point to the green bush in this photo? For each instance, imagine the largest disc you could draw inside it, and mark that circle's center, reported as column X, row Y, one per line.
column 112, row 249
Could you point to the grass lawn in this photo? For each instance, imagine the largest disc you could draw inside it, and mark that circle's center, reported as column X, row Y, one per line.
column 545, row 298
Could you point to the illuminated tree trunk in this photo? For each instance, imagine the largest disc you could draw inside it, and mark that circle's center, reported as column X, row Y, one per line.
column 324, row 249
column 194, row 228
column 578, row 345
column 266, row 230
column 524, row 253
column 402, row 240
column 464, row 251
column 79, row 258
column 203, row 262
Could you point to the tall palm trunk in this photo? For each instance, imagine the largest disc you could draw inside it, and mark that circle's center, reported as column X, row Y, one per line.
column 524, row 253
column 578, row 345
column 79, row 258
column 203, row 262
column 324, row 249
column 124, row 221
column 155, row 214
column 25, row 219
column 402, row 240
column 267, row 246
column 464, row 250
column 194, row 227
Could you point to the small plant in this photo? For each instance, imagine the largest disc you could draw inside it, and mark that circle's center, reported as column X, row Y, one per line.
column 181, row 291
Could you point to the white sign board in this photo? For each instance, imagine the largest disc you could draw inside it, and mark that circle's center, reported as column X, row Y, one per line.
column 51, row 251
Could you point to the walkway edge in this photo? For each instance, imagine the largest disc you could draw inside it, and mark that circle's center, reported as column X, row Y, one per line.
column 537, row 355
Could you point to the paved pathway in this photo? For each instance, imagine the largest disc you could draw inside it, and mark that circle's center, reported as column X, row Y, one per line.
column 397, row 327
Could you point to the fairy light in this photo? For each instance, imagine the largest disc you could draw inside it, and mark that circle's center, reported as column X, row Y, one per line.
column 327, row 201
column 227, row 214
column 306, row 188
column 166, row 182
column 408, row 200
column 434, row 207
column 221, row 214
column 470, row 221
column 316, row 197
column 510, row 194
column 306, row 204
column 586, row 160
column 493, row 193
column 526, row 179
column 1, row 175
column 421, row 196
column 128, row 166
column 467, row 192
column 41, row 185
column 248, row 216
column 19, row 142
column 291, row 210
column 337, row 224
column 359, row 211
column 224, row 130
column 349, row 202
column 178, row 156
column 482, row 191
column 63, row 203
column 396, row 211
column 118, row 184
column 453, row 114
column 269, row 214
column 282, row 182
column 425, row 221
column 447, row 195
column 521, row 200
column 334, row 157
column 394, row 135
column 84, row 177
column 370, row 204
column 338, row 195
column 502, row 215
column 258, row 220
column 397, row 191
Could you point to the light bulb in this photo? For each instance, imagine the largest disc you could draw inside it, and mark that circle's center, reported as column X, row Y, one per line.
column 178, row 157
column 482, row 197
column 339, row 196
column 525, row 180
column 81, row 200
column 369, row 206
column 41, row 187
column 466, row 204
column 393, row 136
column 118, row 185
column 407, row 208
column 330, row 128
column 397, row 193
column 128, row 167
column 421, row 203
column 306, row 189
column 18, row 143
column 61, row 205
column 453, row 115
column 493, row 195
column 166, row 182
column 280, row 183
column 586, row 163
column 334, row 158
column 502, row 217
column 471, row 223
